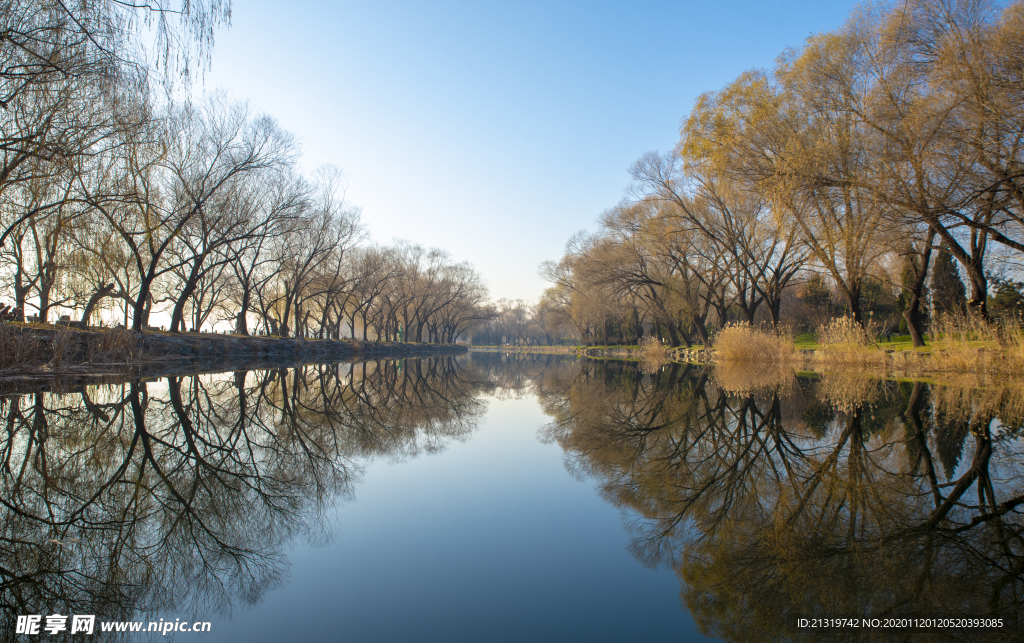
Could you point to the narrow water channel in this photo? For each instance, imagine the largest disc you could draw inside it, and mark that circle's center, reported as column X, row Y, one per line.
column 511, row 498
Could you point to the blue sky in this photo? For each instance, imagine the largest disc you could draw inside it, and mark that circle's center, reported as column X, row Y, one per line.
column 493, row 130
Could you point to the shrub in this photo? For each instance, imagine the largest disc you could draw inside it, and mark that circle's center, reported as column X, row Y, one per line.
column 741, row 341
column 844, row 332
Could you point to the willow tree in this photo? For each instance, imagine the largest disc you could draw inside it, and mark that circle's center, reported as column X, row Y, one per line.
column 783, row 137
column 922, row 81
column 67, row 70
column 758, row 253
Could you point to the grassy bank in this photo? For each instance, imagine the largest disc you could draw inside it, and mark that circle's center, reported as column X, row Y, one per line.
column 954, row 347
column 963, row 347
column 650, row 349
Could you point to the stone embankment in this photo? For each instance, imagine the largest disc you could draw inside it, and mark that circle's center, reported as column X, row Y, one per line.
column 46, row 350
column 207, row 345
column 693, row 355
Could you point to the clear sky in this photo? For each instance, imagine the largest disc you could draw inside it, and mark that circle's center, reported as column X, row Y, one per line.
column 493, row 130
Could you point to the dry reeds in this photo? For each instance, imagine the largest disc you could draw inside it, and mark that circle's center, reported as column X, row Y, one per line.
column 969, row 344
column 115, row 346
column 743, row 342
column 653, row 354
column 958, row 345
column 844, row 332
column 63, row 346
column 19, row 349
column 63, row 350
column 986, row 352
column 845, row 341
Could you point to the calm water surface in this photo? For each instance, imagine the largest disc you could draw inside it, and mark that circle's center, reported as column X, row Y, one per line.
column 514, row 498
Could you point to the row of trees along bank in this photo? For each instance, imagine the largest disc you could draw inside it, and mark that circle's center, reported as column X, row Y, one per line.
column 115, row 197
column 858, row 165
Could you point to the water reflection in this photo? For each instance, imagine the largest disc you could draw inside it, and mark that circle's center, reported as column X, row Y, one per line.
column 771, row 497
column 778, row 498
column 518, row 375
column 182, row 494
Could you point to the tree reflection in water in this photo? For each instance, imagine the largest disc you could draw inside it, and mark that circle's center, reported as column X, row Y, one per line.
column 183, row 493
column 844, row 496
column 772, row 497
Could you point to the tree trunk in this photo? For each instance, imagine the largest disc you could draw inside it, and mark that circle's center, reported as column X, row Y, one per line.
column 978, row 303
column 775, row 306
column 140, row 309
column 973, row 265
column 748, row 308
column 45, row 286
column 241, row 323
column 284, row 318
column 911, row 314
column 687, row 342
column 100, row 293
column 178, row 314
column 702, row 332
column 852, row 294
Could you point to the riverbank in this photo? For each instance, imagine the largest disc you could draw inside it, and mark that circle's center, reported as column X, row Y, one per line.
column 47, row 351
column 898, row 357
column 694, row 354
column 550, row 350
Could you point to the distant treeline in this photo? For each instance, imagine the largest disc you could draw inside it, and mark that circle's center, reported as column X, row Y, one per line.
column 872, row 173
column 116, row 199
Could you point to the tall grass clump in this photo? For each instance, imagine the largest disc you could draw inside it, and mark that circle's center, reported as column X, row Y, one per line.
column 64, row 350
column 844, row 341
column 19, row 349
column 844, row 332
column 115, row 346
column 968, row 343
column 742, row 342
column 652, row 349
column 63, row 346
column 653, row 354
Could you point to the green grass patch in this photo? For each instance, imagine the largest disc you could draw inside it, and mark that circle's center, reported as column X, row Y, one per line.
column 809, row 341
column 806, row 341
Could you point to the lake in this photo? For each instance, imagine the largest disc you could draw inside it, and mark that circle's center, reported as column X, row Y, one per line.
column 514, row 497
